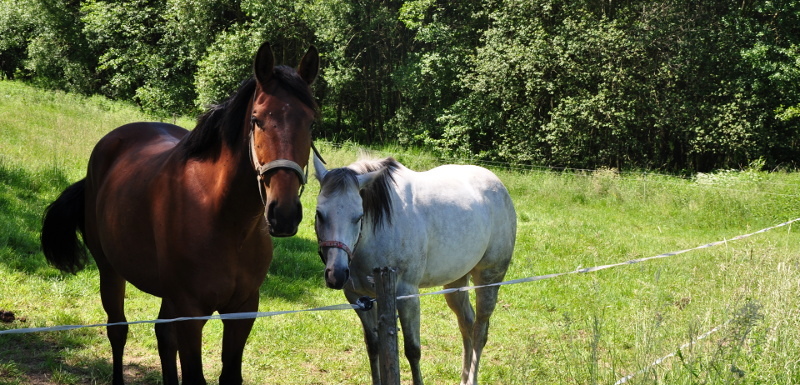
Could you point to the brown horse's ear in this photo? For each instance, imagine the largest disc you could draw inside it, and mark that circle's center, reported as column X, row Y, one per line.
column 309, row 66
column 263, row 63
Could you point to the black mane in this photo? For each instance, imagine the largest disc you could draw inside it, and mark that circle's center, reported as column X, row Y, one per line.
column 223, row 122
column 377, row 197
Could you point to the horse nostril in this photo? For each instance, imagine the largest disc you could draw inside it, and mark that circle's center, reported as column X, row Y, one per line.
column 329, row 279
column 271, row 212
column 336, row 279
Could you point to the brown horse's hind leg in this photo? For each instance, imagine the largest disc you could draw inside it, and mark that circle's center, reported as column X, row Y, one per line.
column 167, row 345
column 112, row 294
column 459, row 303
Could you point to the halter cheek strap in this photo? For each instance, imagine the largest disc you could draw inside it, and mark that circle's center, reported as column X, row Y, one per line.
column 338, row 245
column 286, row 164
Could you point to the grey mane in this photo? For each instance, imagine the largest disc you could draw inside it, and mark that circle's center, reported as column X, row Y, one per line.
column 377, row 197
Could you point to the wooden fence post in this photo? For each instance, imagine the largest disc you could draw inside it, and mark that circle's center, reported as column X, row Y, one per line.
column 386, row 292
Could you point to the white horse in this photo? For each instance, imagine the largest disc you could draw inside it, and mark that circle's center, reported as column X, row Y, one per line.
column 438, row 227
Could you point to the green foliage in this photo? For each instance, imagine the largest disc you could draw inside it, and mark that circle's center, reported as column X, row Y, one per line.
column 660, row 84
column 363, row 45
column 215, row 80
column 228, row 59
column 145, row 57
column 649, row 84
column 42, row 41
column 446, row 35
column 15, row 27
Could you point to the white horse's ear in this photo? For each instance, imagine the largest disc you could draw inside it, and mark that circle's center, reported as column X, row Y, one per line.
column 319, row 169
column 364, row 180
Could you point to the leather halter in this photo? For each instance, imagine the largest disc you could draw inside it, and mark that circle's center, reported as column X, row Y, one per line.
column 263, row 169
column 338, row 245
column 286, row 164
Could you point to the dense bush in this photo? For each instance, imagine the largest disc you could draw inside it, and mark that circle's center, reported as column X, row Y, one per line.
column 667, row 84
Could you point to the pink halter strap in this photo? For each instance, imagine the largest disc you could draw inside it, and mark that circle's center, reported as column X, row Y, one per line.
column 338, row 245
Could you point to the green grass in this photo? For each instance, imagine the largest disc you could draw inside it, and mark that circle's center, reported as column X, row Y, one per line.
column 576, row 329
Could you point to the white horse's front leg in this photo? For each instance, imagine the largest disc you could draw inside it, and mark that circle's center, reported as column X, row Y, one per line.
column 408, row 311
column 369, row 321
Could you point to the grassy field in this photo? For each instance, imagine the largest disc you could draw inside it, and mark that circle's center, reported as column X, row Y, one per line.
column 590, row 328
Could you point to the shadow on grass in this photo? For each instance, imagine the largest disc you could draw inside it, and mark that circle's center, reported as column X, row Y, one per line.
column 48, row 358
column 295, row 269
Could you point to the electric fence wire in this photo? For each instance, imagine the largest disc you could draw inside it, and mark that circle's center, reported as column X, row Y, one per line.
column 365, row 303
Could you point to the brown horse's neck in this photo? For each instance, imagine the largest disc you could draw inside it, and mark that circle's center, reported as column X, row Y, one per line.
column 231, row 185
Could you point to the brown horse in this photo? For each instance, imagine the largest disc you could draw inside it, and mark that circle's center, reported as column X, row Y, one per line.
column 187, row 216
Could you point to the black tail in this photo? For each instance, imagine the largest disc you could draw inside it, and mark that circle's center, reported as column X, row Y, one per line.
column 62, row 220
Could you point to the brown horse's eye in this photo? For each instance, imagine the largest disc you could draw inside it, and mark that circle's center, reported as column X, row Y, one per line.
column 254, row 121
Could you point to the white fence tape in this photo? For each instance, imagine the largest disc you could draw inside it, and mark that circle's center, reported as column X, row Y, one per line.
column 227, row 316
column 364, row 305
column 597, row 268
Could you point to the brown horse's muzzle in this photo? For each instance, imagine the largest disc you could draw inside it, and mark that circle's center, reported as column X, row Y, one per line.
column 284, row 219
column 284, row 212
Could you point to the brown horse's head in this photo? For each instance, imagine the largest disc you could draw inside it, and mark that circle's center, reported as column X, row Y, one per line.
column 281, row 115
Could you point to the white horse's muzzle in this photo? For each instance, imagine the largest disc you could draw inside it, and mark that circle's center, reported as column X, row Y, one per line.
column 337, row 272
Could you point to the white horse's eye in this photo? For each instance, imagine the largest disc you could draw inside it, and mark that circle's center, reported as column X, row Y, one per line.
column 320, row 217
column 357, row 218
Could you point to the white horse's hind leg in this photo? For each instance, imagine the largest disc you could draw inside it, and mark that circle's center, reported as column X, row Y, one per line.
column 459, row 303
column 369, row 321
column 485, row 302
column 486, row 299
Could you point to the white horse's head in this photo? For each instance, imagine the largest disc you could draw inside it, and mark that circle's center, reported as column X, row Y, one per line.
column 338, row 221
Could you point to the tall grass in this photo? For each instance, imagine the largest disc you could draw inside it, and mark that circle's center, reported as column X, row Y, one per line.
column 576, row 329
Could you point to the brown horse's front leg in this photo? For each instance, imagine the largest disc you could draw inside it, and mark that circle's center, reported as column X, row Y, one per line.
column 190, row 335
column 234, row 337
column 167, row 345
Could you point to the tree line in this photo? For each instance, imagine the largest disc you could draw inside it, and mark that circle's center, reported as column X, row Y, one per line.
column 673, row 85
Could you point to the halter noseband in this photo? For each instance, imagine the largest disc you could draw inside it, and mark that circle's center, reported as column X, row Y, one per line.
column 338, row 245
column 286, row 164
column 277, row 164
